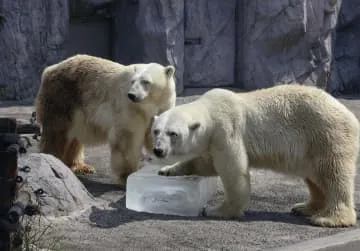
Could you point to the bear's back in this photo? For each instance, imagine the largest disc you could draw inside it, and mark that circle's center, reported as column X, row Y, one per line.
column 80, row 69
column 296, row 104
column 289, row 123
column 75, row 82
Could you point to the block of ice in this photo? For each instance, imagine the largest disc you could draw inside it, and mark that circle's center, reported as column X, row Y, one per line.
column 146, row 191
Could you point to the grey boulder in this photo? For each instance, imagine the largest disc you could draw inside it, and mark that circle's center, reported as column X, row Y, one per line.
column 53, row 185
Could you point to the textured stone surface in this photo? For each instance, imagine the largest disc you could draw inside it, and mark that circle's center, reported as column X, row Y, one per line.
column 84, row 8
column 31, row 36
column 63, row 191
column 150, row 31
column 248, row 44
column 288, row 40
column 209, row 55
column 346, row 70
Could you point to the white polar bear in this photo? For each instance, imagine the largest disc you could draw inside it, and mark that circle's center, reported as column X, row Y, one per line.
column 87, row 100
column 292, row 129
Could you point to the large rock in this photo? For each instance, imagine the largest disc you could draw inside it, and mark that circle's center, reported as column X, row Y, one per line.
column 63, row 193
column 346, row 70
column 287, row 41
column 150, row 31
column 32, row 34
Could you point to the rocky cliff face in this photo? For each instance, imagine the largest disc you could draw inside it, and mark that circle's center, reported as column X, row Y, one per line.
column 288, row 41
column 32, row 34
column 150, row 32
column 239, row 43
column 345, row 77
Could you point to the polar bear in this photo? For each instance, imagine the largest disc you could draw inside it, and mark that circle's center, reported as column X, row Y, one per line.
column 87, row 100
column 293, row 129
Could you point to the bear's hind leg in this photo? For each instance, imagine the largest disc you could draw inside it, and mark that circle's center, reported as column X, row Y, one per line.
column 339, row 188
column 314, row 205
column 53, row 142
column 74, row 158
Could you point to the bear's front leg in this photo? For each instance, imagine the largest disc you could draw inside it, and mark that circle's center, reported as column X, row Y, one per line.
column 232, row 166
column 125, row 155
column 123, row 163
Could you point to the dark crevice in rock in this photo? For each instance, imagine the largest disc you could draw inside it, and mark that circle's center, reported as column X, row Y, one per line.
column 57, row 174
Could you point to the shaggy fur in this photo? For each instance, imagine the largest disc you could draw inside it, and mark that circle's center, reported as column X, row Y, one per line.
column 291, row 129
column 84, row 100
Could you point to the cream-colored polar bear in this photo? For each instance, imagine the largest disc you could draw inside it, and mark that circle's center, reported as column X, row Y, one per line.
column 86, row 100
column 292, row 129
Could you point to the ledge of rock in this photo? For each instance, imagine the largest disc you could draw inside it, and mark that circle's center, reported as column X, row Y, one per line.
column 63, row 193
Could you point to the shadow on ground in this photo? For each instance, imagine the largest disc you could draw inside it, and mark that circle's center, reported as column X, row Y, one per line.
column 97, row 188
column 118, row 215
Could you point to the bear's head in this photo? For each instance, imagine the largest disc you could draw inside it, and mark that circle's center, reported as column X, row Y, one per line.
column 177, row 136
column 151, row 82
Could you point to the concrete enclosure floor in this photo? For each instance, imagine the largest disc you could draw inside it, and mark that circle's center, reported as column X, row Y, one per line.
column 267, row 223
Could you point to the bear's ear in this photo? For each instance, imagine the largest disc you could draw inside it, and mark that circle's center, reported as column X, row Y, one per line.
column 194, row 126
column 169, row 71
column 155, row 117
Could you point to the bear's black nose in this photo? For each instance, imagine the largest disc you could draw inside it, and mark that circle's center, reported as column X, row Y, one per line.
column 132, row 97
column 159, row 152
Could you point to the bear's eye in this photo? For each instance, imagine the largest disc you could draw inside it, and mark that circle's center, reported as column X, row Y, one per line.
column 156, row 132
column 172, row 134
column 145, row 82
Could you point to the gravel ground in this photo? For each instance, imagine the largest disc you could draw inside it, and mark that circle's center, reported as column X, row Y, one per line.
column 110, row 226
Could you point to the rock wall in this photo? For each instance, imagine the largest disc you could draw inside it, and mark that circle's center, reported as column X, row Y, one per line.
column 246, row 44
column 210, row 43
column 32, row 34
column 150, row 31
column 345, row 76
column 287, row 41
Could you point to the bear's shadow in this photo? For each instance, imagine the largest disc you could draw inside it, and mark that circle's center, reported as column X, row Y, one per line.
column 97, row 188
column 118, row 215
